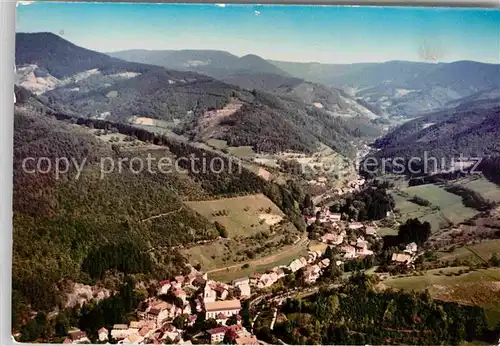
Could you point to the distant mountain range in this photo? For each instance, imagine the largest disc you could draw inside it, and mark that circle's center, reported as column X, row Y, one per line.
column 394, row 88
column 214, row 63
column 85, row 83
column 304, row 103
column 402, row 88
column 250, row 72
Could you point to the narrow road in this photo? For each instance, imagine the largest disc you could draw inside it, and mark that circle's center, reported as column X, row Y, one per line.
column 164, row 214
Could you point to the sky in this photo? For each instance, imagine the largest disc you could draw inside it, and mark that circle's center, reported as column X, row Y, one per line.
column 325, row 34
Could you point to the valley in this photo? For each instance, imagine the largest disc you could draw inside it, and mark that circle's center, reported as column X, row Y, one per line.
column 296, row 215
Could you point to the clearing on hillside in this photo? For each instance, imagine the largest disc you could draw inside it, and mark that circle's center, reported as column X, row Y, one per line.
column 471, row 253
column 283, row 256
column 409, row 210
column 483, row 186
column 231, row 254
column 241, row 216
column 450, row 206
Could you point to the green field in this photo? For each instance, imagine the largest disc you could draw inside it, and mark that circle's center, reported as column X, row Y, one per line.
column 410, row 210
column 242, row 216
column 484, row 249
column 284, row 257
column 387, row 231
column 245, row 152
column 223, row 259
column 451, row 208
column 217, row 143
column 484, row 187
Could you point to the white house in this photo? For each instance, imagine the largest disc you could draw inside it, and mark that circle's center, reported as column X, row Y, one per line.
column 243, row 291
column 164, row 287
column 330, row 238
column 209, row 295
column 324, row 263
column 310, row 220
column 119, row 331
column 103, row 334
column 411, row 248
column 242, row 286
column 312, row 273
column 217, row 334
column 266, row 280
column 227, row 307
column 78, row 337
column 370, row 230
column 295, row 265
column 355, row 225
column 401, row 258
column 349, row 251
column 303, row 261
column 158, row 316
column 241, row 281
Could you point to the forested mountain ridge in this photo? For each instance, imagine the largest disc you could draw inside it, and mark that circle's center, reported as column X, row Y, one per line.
column 402, row 88
column 250, row 72
column 217, row 64
column 103, row 87
column 471, row 129
column 62, row 59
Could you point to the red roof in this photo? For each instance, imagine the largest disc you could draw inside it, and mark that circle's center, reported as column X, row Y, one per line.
column 67, row 341
column 178, row 292
column 235, row 327
column 164, row 282
column 154, row 312
column 143, row 331
column 219, row 289
column 77, row 335
column 102, row 330
column 217, row 330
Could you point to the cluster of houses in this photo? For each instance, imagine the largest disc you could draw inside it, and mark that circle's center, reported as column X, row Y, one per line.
column 155, row 316
column 77, row 337
column 313, row 265
column 337, row 235
column 407, row 256
column 323, row 215
column 350, row 187
column 241, row 335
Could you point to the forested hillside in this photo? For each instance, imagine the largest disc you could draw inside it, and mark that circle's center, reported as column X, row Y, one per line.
column 471, row 130
column 89, row 227
column 214, row 63
column 402, row 88
column 93, row 85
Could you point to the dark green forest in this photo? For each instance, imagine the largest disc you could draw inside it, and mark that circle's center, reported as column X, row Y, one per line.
column 79, row 229
column 358, row 314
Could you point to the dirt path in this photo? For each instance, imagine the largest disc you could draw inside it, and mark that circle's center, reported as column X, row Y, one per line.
column 264, row 260
column 164, row 214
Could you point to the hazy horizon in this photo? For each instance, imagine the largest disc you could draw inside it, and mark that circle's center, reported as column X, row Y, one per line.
column 303, row 34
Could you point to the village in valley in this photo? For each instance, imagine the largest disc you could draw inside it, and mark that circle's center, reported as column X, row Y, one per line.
column 213, row 312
